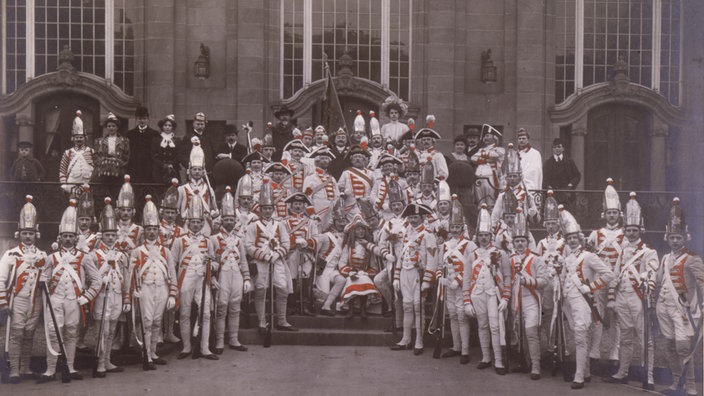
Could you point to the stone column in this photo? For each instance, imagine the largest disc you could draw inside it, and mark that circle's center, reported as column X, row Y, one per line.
column 658, row 155
column 579, row 131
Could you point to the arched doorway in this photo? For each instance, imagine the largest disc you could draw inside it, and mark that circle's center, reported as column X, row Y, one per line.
column 53, row 120
column 618, row 145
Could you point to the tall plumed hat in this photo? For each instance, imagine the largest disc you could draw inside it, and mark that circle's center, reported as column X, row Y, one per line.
column 266, row 195
column 675, row 221
column 568, row 224
column 520, row 225
column 77, row 128
column 150, row 214
column 170, row 199
column 125, row 198
column 85, row 203
column 196, row 208
column 69, row 219
column 483, row 220
column 227, row 205
column 413, row 162
column 395, row 193
column 108, row 221
column 245, row 186
column 197, row 156
column 28, row 216
column 611, row 199
column 512, row 161
column 427, row 172
column 510, row 202
column 444, row 191
column 633, row 215
column 456, row 212
column 551, row 212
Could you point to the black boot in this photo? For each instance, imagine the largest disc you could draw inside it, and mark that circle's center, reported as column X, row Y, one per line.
column 351, row 304
column 363, row 307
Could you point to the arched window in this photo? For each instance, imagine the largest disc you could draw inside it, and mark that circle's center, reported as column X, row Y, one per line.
column 99, row 33
column 375, row 33
column 593, row 34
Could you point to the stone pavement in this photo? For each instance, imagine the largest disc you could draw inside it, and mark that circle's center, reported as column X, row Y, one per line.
column 317, row 370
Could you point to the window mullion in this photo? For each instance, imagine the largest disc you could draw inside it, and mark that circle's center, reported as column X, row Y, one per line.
column 29, row 45
column 579, row 45
column 385, row 45
column 657, row 45
column 307, row 42
column 109, row 40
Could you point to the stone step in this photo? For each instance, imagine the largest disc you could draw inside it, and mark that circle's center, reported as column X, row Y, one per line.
column 338, row 337
column 373, row 322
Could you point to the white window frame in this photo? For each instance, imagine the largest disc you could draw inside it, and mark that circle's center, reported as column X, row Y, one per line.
column 308, row 44
column 656, row 45
column 30, row 60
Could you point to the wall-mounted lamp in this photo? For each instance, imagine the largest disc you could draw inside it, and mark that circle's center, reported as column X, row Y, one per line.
column 201, row 68
column 488, row 68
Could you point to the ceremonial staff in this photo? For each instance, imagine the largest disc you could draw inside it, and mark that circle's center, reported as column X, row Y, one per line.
column 137, row 312
column 198, row 328
column 439, row 330
column 270, row 323
column 5, row 365
column 99, row 341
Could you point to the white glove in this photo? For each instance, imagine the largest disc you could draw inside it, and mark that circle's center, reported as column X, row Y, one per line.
column 67, row 188
column 301, row 242
column 126, row 307
column 274, row 257
column 444, row 281
column 389, row 257
column 397, row 285
column 214, row 284
column 82, row 300
column 644, row 276
column 454, row 285
column 425, row 286
column 469, row 310
column 267, row 256
column 611, row 304
column 171, row 303
column 503, row 305
column 247, row 287
column 584, row 289
column 136, row 293
column 106, row 280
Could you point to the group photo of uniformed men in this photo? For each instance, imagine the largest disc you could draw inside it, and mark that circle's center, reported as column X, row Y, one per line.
column 368, row 222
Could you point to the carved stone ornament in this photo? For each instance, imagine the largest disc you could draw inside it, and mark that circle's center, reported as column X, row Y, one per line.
column 66, row 74
column 620, row 84
column 345, row 82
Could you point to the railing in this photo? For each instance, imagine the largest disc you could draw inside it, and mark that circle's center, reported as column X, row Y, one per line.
column 585, row 205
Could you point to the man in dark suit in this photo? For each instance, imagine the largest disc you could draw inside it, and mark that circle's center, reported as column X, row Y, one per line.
column 560, row 172
column 472, row 137
column 139, row 166
column 206, row 143
column 231, row 147
column 282, row 133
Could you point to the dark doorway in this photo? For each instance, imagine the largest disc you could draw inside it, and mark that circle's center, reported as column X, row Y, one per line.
column 54, row 117
column 618, row 146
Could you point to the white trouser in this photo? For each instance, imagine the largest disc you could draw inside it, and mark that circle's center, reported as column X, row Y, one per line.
column 412, row 306
column 383, row 283
column 113, row 309
column 153, row 304
column 579, row 317
column 459, row 322
column 629, row 309
column 530, row 308
column 487, row 309
column 68, row 314
column 191, row 291
column 228, row 306
column 24, row 317
column 261, row 284
column 675, row 327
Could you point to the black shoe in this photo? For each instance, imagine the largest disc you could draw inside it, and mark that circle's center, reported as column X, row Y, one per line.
column 286, row 328
column 211, row 357
column 483, row 365
column 417, row 351
column 577, row 385
column 29, row 376
column 160, row 361
column 464, row 359
column 400, row 347
column 43, row 379
column 99, row 374
column 150, row 366
column 327, row 312
column 535, row 376
column 116, row 369
column 451, row 353
column 262, row 330
column 240, row 348
column 386, row 314
column 218, row 351
column 614, row 380
column 183, row 355
column 14, row 379
column 76, row 376
column 500, row 370
column 390, row 329
column 588, row 379
column 650, row 387
column 307, row 312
